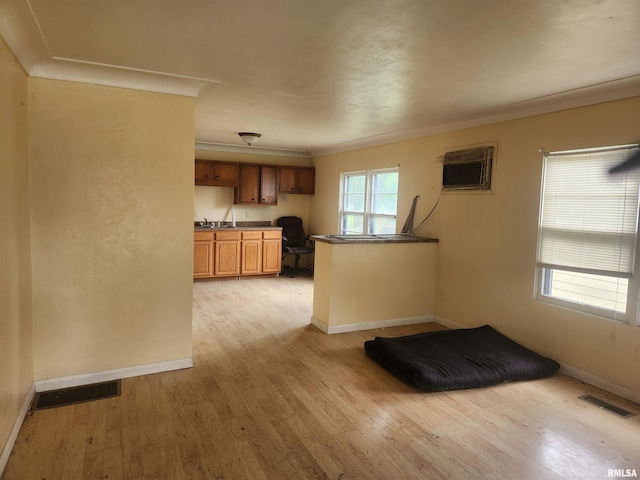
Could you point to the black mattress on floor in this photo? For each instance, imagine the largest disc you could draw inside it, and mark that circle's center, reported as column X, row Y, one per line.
column 458, row 359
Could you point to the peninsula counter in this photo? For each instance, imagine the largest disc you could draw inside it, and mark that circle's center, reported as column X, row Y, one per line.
column 371, row 281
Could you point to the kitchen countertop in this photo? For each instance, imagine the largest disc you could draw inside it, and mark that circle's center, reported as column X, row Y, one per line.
column 356, row 239
column 202, row 228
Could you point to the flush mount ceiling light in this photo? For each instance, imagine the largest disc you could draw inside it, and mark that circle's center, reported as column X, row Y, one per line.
column 249, row 138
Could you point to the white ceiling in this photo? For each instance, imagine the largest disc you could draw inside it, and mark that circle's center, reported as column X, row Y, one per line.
column 328, row 75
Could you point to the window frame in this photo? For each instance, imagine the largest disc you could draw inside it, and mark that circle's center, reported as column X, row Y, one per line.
column 367, row 215
column 542, row 278
column 544, row 273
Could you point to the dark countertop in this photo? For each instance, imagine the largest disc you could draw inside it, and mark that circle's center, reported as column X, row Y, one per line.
column 222, row 229
column 359, row 239
column 257, row 225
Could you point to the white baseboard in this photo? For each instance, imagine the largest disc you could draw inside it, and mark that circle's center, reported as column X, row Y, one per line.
column 447, row 323
column 84, row 379
column 354, row 327
column 576, row 373
column 8, row 446
column 108, row 375
column 601, row 383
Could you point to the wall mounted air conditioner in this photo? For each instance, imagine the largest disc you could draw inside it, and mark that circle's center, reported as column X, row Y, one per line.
column 468, row 169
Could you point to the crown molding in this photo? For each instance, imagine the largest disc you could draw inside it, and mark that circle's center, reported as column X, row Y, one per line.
column 251, row 150
column 113, row 76
column 22, row 34
column 20, row 30
column 580, row 97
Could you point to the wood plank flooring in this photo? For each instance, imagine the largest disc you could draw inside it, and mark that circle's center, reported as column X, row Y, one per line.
column 272, row 397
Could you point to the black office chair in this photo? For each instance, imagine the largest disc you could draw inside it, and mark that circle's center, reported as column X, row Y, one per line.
column 295, row 242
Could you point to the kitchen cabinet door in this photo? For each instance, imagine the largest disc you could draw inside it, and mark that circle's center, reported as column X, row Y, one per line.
column 251, row 256
column 227, row 254
column 298, row 180
column 225, row 174
column 306, row 183
column 227, row 259
column 272, row 252
column 268, row 185
column 203, row 254
column 216, row 174
column 287, row 182
column 248, row 191
column 203, row 173
column 257, row 185
column 202, row 258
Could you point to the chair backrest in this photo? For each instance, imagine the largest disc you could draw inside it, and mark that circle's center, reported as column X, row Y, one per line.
column 293, row 230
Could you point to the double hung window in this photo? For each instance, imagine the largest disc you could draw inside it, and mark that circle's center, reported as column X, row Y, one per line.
column 369, row 202
column 587, row 232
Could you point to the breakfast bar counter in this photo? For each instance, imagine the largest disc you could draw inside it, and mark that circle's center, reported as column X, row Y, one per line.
column 372, row 281
column 373, row 238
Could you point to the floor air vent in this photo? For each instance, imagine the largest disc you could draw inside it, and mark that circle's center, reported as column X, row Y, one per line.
column 69, row 396
column 607, row 406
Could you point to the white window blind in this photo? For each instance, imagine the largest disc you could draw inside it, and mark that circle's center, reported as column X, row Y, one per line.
column 589, row 218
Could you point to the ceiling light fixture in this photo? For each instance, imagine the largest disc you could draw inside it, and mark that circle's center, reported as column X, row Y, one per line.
column 249, row 138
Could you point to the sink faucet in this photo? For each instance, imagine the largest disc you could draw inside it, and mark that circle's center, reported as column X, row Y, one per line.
column 205, row 221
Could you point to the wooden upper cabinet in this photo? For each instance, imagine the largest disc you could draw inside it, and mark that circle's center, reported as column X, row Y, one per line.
column 257, row 185
column 204, row 172
column 299, row 180
column 287, row 180
column 216, row 174
column 306, row 180
column 248, row 191
column 268, row 185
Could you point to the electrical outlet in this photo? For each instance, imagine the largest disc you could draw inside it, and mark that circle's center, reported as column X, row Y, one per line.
column 443, row 294
column 195, row 214
column 246, row 214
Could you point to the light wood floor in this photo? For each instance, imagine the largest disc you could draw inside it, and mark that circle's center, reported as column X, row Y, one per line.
column 271, row 397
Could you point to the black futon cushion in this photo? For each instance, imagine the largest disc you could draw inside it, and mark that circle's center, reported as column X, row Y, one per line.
column 458, row 359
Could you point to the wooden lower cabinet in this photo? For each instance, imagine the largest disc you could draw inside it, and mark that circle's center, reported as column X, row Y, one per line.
column 203, row 254
column 237, row 253
column 272, row 252
column 227, row 254
column 227, row 259
column 251, row 253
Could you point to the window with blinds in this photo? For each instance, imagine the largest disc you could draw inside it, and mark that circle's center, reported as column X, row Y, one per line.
column 587, row 231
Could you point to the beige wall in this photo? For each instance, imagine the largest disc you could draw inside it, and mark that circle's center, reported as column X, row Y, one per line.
column 16, row 365
column 487, row 249
column 112, row 200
